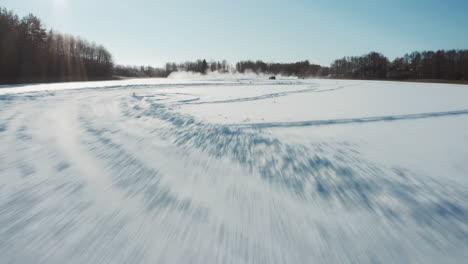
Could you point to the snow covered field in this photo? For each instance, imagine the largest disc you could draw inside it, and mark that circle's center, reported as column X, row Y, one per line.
column 234, row 170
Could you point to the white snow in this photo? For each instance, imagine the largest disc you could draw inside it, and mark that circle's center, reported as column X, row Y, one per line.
column 234, row 169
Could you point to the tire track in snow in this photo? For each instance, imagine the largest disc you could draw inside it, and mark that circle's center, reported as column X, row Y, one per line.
column 332, row 174
column 312, row 88
column 259, row 199
column 114, row 154
column 344, row 121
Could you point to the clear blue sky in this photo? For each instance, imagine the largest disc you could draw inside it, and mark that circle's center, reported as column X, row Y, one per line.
column 152, row 32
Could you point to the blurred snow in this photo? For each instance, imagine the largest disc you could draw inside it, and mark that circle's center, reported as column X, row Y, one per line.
column 234, row 169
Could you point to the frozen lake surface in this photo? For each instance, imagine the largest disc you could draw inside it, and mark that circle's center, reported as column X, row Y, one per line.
column 234, row 170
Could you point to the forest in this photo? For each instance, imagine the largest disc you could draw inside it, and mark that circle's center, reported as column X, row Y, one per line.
column 441, row 64
column 31, row 53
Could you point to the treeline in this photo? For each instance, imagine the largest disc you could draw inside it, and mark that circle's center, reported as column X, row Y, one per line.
column 300, row 69
column 445, row 65
column 442, row 64
column 30, row 53
column 198, row 66
column 139, row 71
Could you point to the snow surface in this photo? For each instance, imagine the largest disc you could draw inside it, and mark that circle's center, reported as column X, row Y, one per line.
column 234, row 169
